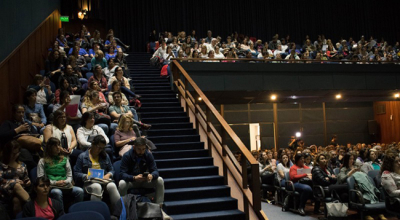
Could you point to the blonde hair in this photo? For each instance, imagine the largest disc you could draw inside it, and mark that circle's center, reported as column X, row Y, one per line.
column 88, row 97
column 98, row 54
column 122, row 121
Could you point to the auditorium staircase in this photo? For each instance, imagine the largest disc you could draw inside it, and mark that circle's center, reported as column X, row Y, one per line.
column 193, row 188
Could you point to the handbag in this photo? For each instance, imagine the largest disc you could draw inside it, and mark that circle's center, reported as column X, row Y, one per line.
column 306, row 180
column 30, row 142
column 35, row 118
column 102, row 182
column 336, row 209
column 147, row 210
column 100, row 118
column 91, row 136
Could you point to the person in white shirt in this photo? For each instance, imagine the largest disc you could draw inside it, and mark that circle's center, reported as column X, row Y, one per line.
column 89, row 130
column 279, row 50
column 168, row 55
column 218, row 54
column 110, row 70
column 161, row 50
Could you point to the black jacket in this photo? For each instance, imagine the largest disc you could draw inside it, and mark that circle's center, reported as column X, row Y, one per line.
column 7, row 131
column 29, row 209
column 319, row 176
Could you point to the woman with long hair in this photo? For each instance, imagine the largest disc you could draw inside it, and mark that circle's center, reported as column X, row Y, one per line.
column 267, row 167
column 99, row 77
column 99, row 59
column 116, row 87
column 304, row 189
column 64, row 86
column 125, row 134
column 92, row 103
column 348, row 168
column 64, row 133
column 371, row 163
column 390, row 172
column 124, row 82
column 94, row 86
column 95, row 157
column 56, row 167
column 110, row 70
column 53, row 66
column 41, row 206
column 14, row 180
column 283, row 168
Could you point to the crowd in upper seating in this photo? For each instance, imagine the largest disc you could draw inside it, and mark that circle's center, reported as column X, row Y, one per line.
column 79, row 114
column 364, row 51
column 330, row 167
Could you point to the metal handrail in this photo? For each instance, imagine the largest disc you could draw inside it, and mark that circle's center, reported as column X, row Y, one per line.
column 217, row 141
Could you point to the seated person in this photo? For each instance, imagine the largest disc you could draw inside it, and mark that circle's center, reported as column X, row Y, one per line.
column 324, row 176
column 111, row 53
column 304, row 189
column 371, row 162
column 391, row 178
column 96, row 158
column 92, row 52
column 18, row 129
column 53, row 67
column 44, row 94
column 348, row 168
column 117, row 109
column 283, row 168
column 110, row 70
column 142, row 175
column 116, row 87
column 14, row 180
column 34, row 113
column 64, row 133
column 94, row 86
column 41, row 206
column 124, row 82
column 99, row 59
column 99, row 78
column 89, row 129
column 120, row 59
column 92, row 103
column 72, row 119
column 64, row 86
column 73, row 81
column 267, row 168
column 56, row 167
column 125, row 134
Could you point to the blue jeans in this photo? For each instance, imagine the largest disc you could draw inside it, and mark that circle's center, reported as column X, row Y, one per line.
column 77, row 194
column 128, row 93
column 135, row 116
column 113, row 127
column 306, row 193
column 104, row 127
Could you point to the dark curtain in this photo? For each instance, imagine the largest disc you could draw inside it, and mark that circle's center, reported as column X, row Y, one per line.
column 133, row 21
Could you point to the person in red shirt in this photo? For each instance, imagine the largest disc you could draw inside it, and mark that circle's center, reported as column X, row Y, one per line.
column 41, row 205
column 305, row 190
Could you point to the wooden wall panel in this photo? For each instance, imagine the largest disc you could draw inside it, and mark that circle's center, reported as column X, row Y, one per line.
column 388, row 121
column 19, row 68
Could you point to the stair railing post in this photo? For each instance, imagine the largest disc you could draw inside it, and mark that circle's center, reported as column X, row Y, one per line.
column 224, row 146
column 186, row 98
column 256, row 186
column 243, row 163
column 208, row 115
column 197, row 123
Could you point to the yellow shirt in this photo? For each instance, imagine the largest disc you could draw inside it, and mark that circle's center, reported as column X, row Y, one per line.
column 95, row 163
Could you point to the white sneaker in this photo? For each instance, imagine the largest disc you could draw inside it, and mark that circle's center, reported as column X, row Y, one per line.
column 165, row 216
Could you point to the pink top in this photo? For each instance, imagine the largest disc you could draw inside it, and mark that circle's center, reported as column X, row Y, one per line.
column 46, row 213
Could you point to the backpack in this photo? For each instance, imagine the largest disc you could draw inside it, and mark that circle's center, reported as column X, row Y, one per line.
column 164, row 71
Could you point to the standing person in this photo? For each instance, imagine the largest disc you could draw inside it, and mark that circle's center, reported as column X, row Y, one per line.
column 138, row 170
column 41, row 206
column 96, row 158
column 56, row 167
column 300, row 186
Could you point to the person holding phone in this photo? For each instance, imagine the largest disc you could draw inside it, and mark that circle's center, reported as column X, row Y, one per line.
column 135, row 165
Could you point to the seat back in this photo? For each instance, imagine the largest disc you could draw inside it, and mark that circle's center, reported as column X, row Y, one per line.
column 373, row 173
column 351, row 184
column 336, row 171
column 82, row 215
column 117, row 169
column 33, row 174
column 95, row 206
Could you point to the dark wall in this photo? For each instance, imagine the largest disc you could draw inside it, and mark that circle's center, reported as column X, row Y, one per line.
column 19, row 18
column 133, row 20
column 349, row 121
